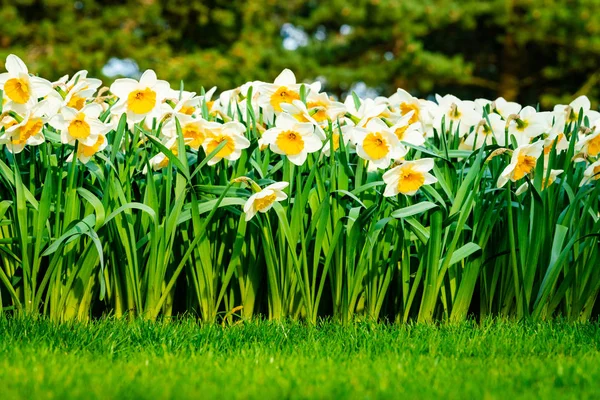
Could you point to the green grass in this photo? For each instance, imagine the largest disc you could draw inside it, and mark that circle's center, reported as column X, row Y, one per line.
column 114, row 359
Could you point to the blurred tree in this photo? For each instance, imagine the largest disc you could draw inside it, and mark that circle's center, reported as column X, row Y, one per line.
column 529, row 50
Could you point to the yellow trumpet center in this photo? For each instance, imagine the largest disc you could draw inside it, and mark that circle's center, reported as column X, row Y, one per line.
column 410, row 181
column 89, row 151
column 525, row 165
column 193, row 136
column 375, row 146
column 290, row 142
column 17, row 90
column 30, row 129
column 216, row 141
column 264, row 202
column 187, row 110
column 594, row 146
column 78, row 128
column 405, row 108
column 141, row 101
column 283, row 95
column 76, row 102
column 400, row 132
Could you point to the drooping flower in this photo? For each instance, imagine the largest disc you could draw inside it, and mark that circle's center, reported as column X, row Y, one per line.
column 19, row 86
column 408, row 177
column 141, row 99
column 263, row 201
column 523, row 162
column 292, row 138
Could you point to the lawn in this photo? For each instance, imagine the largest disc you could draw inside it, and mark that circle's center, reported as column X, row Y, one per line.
column 113, row 359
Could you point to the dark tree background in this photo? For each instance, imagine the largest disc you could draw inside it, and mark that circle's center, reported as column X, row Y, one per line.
column 528, row 50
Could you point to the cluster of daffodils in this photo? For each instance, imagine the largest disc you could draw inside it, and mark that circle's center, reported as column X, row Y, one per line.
column 293, row 121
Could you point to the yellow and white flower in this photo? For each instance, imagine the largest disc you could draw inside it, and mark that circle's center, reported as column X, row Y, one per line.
column 29, row 130
column 263, row 201
column 85, row 153
column 546, row 182
column 529, row 124
column 80, row 125
column 590, row 144
column 591, row 173
column 485, row 133
column 322, row 109
column 19, row 86
column 194, row 130
column 292, row 138
column 283, row 90
column 233, row 134
column 160, row 160
column 79, row 89
column 523, row 162
column 456, row 113
column 570, row 113
column 378, row 144
column 407, row 131
column 408, row 177
column 141, row 99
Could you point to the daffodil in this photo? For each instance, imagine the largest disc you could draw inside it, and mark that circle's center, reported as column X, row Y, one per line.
column 141, row 99
column 408, row 177
column 571, row 112
column 456, row 114
column 404, row 103
column 80, row 125
column 29, row 130
column 292, row 138
column 523, row 162
column 505, row 108
column 590, row 144
column 79, row 89
column 194, row 130
column 283, row 90
column 407, row 131
column 378, row 144
column 232, row 133
column 85, row 153
column 528, row 124
column 591, row 173
column 485, row 133
column 161, row 160
column 323, row 109
column 19, row 86
column 263, row 201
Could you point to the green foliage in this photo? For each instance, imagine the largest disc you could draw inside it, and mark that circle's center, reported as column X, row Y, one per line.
column 545, row 50
column 179, row 359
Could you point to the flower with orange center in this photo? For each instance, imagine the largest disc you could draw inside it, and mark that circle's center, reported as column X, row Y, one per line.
column 139, row 99
column 378, row 144
column 230, row 133
column 292, row 138
column 408, row 177
column 85, row 153
column 264, row 200
column 80, row 125
column 19, row 87
column 590, row 145
column 284, row 90
column 523, row 162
